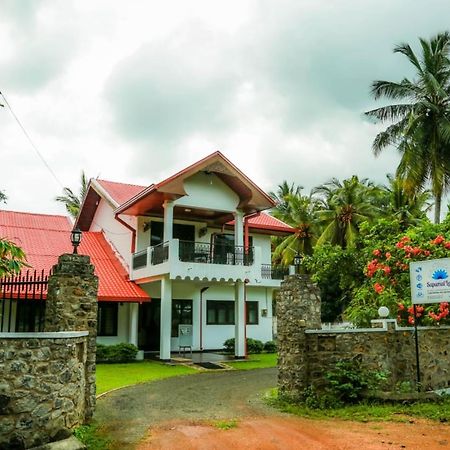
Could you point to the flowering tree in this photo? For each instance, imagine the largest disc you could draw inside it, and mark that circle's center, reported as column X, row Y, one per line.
column 387, row 275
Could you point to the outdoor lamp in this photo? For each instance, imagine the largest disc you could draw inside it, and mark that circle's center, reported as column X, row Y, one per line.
column 297, row 262
column 75, row 238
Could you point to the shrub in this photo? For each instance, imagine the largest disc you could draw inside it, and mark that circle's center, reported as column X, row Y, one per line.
column 119, row 353
column 253, row 346
column 349, row 382
column 270, row 347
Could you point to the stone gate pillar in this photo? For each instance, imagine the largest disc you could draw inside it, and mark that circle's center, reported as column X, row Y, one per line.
column 298, row 309
column 72, row 306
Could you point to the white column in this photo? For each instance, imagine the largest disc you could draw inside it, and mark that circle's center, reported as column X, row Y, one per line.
column 133, row 330
column 166, row 319
column 239, row 317
column 168, row 220
column 239, row 228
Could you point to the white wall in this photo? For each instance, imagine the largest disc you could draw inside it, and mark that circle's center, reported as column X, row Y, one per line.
column 207, row 191
column 114, row 231
column 123, row 317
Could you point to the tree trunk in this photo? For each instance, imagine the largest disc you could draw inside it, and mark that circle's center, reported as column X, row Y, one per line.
column 437, row 208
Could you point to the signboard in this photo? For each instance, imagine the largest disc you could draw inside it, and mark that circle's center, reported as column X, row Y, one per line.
column 430, row 281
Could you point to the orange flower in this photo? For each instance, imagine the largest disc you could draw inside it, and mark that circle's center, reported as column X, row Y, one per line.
column 439, row 240
column 379, row 288
column 376, row 252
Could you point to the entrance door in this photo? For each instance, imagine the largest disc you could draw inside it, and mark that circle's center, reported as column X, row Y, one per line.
column 149, row 325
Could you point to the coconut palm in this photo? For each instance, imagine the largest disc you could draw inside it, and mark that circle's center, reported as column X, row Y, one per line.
column 420, row 118
column 3, row 197
column 401, row 202
column 344, row 207
column 284, row 191
column 72, row 201
column 302, row 215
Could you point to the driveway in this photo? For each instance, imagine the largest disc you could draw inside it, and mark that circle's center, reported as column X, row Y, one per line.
column 127, row 414
column 179, row 414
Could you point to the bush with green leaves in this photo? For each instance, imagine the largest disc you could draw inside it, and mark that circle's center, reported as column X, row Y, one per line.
column 253, row 346
column 349, row 382
column 270, row 347
column 119, row 353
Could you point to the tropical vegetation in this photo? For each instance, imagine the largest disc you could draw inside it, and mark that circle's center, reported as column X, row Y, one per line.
column 357, row 237
column 73, row 201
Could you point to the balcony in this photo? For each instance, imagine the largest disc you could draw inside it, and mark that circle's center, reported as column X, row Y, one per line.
column 269, row 272
column 197, row 261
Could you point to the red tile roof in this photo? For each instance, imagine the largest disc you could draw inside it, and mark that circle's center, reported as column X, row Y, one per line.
column 120, row 192
column 266, row 222
column 45, row 237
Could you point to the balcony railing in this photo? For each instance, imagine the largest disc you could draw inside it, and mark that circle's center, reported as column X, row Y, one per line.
column 160, row 253
column 203, row 252
column 270, row 272
column 139, row 259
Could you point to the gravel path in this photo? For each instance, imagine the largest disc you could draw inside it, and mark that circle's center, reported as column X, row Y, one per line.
column 127, row 414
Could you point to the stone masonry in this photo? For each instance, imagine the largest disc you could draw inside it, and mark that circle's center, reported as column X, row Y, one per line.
column 306, row 352
column 47, row 383
column 41, row 386
column 72, row 306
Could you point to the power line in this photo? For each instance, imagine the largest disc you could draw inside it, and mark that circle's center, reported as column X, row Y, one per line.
column 30, row 140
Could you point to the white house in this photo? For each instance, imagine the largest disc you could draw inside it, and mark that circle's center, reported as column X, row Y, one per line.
column 198, row 243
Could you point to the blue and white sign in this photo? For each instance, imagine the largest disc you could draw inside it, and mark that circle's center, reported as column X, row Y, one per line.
column 430, row 281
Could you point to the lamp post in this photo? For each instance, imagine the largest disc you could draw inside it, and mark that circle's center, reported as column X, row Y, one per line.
column 75, row 238
column 297, row 262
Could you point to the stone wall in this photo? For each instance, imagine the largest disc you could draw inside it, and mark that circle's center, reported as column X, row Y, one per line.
column 41, row 387
column 47, row 383
column 72, row 306
column 306, row 352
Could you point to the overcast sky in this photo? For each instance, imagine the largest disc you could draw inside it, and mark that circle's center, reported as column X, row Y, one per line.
column 135, row 91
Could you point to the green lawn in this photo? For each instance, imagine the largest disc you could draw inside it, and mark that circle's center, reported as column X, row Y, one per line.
column 260, row 361
column 397, row 412
column 111, row 376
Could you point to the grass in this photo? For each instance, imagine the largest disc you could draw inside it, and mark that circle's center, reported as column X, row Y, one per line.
column 91, row 438
column 364, row 412
column 226, row 424
column 112, row 376
column 259, row 361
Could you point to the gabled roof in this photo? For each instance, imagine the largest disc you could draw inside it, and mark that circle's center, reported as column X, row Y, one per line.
column 44, row 237
column 265, row 223
column 252, row 198
column 114, row 193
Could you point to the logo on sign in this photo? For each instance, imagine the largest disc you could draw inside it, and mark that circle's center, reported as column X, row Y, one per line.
column 439, row 274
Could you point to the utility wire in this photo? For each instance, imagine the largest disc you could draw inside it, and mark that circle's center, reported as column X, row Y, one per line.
column 30, row 140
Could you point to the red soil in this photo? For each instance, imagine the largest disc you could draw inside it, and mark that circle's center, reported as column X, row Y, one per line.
column 270, row 433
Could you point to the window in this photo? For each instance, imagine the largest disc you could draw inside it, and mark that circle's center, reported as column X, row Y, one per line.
column 252, row 313
column 107, row 319
column 30, row 315
column 221, row 312
column 181, row 314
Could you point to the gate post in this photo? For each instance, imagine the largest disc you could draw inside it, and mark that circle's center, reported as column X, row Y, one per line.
column 72, row 306
column 298, row 309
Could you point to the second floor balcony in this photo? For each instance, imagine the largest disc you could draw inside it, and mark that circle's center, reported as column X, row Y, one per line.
column 203, row 261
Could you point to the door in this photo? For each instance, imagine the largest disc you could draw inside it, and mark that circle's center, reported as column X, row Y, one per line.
column 149, row 325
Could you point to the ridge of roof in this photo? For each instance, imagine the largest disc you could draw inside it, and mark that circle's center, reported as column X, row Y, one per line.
column 18, row 219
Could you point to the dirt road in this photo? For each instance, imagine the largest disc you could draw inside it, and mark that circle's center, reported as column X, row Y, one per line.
column 182, row 414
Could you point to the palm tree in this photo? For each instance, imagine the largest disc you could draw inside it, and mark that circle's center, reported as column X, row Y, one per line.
column 72, row 201
column 420, row 123
column 284, row 191
column 3, row 197
column 344, row 207
column 302, row 215
column 402, row 203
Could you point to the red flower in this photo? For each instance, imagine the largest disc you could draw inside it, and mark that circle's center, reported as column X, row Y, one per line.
column 439, row 240
column 386, row 270
column 388, row 256
column 400, row 244
column 427, row 252
column 376, row 252
column 447, row 245
column 411, row 320
column 401, row 306
column 379, row 288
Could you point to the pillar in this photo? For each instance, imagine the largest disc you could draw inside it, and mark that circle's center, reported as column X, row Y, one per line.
column 166, row 319
column 298, row 309
column 239, row 237
column 71, row 305
column 168, row 220
column 240, row 320
column 133, row 330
